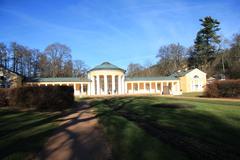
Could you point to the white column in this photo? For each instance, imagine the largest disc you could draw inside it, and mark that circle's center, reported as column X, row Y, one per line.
column 98, row 85
column 144, row 87
column 74, row 87
column 138, row 85
column 151, row 87
column 92, row 86
column 88, row 89
column 119, row 85
column 81, row 89
column 105, row 85
column 162, row 87
column 132, row 87
column 174, row 87
column 123, row 88
column 113, row 84
column 155, row 87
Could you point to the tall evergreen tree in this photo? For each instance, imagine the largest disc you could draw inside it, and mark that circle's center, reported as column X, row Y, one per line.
column 206, row 45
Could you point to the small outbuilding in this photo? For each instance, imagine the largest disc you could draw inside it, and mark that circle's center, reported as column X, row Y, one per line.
column 193, row 80
column 9, row 79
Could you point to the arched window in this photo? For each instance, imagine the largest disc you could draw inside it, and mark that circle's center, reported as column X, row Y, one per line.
column 196, row 76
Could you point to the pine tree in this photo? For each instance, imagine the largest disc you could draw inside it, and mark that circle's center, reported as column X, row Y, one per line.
column 206, row 44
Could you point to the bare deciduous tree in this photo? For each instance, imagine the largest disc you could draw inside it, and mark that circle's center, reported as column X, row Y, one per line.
column 134, row 70
column 79, row 68
column 171, row 58
column 58, row 55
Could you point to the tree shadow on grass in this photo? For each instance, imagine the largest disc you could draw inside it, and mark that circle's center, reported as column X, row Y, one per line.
column 172, row 105
column 198, row 134
column 26, row 132
column 20, row 137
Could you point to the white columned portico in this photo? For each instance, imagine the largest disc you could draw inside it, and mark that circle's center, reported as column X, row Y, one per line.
column 105, row 84
column 113, row 84
column 98, row 85
column 100, row 75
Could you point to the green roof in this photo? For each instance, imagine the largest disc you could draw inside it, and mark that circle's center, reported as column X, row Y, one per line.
column 59, row 79
column 106, row 66
column 150, row 78
column 181, row 73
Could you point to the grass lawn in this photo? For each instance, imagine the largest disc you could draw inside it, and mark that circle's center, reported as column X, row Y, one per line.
column 170, row 128
column 22, row 134
column 192, row 94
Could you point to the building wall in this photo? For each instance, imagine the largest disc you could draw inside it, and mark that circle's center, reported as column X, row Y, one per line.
column 194, row 81
column 16, row 81
column 154, row 87
column 9, row 78
column 80, row 88
column 183, row 84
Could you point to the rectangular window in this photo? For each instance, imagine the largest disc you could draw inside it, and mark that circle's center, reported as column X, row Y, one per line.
column 78, row 87
column 159, row 86
column 147, row 86
column 129, row 86
column 84, row 87
column 141, row 85
column 135, row 86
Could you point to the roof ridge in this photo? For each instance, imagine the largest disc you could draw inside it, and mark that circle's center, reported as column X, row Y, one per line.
column 106, row 66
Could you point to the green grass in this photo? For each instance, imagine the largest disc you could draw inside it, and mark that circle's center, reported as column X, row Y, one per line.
column 22, row 134
column 192, row 94
column 138, row 128
column 170, row 128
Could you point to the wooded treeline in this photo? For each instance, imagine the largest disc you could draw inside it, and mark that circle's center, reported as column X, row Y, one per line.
column 210, row 52
column 54, row 61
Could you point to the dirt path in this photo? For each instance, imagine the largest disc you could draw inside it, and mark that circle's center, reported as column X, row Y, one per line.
column 78, row 138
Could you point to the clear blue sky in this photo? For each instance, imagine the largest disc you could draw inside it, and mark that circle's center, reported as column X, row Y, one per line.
column 118, row 31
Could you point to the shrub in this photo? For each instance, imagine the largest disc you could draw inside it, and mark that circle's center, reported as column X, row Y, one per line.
column 3, row 97
column 42, row 97
column 226, row 88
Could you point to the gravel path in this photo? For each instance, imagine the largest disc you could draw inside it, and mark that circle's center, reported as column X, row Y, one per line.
column 79, row 138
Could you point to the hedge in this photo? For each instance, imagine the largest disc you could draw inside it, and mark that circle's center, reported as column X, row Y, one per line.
column 42, row 97
column 225, row 88
column 3, row 97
